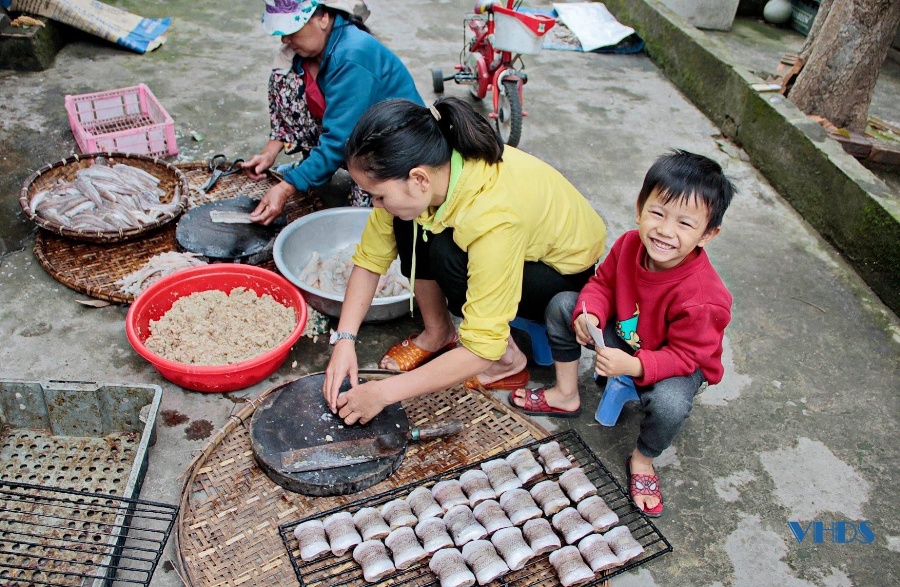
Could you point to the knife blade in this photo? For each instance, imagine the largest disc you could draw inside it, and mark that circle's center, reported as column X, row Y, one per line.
column 360, row 450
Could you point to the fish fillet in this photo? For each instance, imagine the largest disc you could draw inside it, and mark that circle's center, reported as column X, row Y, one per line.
column 229, row 217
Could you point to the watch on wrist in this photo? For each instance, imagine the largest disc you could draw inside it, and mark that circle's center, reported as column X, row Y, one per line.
column 336, row 336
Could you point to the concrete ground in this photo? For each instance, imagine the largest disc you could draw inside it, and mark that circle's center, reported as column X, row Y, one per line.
column 801, row 429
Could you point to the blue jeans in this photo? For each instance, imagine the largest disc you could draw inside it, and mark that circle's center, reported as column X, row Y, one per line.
column 666, row 404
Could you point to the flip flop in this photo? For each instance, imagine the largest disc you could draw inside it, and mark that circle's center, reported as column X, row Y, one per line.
column 408, row 355
column 536, row 405
column 514, row 381
column 641, row 484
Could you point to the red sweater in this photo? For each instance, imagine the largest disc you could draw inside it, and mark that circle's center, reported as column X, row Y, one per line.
column 674, row 319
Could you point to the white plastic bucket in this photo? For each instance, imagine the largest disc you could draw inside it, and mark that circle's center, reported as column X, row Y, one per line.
column 517, row 32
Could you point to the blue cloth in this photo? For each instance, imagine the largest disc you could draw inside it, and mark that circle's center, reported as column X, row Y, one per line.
column 356, row 72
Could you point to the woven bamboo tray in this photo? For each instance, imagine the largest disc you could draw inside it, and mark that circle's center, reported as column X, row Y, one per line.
column 93, row 268
column 171, row 180
column 227, row 531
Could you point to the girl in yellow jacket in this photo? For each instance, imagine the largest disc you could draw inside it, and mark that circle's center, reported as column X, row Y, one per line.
column 483, row 231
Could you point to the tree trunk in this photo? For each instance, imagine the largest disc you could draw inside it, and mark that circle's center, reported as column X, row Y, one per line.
column 821, row 16
column 845, row 58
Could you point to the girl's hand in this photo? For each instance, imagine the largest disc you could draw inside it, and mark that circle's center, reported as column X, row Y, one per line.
column 581, row 332
column 258, row 165
column 343, row 363
column 611, row 362
column 362, row 403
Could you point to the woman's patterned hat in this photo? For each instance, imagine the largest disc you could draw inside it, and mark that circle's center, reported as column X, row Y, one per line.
column 286, row 17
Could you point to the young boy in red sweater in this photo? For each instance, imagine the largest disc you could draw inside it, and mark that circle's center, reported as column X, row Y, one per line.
column 663, row 310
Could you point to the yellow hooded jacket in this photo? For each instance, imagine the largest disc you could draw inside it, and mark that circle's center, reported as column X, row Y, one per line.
column 502, row 215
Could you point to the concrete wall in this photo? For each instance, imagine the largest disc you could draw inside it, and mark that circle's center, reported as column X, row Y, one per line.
column 705, row 14
column 846, row 203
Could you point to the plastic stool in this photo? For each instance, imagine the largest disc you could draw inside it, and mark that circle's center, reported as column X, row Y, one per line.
column 619, row 390
column 540, row 347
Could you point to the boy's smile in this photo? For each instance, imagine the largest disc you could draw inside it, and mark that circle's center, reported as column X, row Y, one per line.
column 670, row 231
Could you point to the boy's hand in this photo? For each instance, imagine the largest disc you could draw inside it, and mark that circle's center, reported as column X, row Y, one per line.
column 611, row 362
column 581, row 332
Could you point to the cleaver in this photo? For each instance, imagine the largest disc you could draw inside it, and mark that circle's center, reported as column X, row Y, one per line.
column 360, row 450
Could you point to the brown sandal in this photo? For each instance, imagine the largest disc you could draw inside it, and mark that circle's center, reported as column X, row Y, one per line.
column 408, row 355
column 514, row 381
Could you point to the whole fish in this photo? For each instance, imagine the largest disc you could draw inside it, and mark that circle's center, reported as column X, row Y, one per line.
column 104, row 198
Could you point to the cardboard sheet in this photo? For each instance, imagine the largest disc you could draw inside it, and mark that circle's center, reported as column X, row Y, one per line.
column 107, row 22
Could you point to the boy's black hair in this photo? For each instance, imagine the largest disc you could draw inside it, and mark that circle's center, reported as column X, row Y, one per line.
column 680, row 176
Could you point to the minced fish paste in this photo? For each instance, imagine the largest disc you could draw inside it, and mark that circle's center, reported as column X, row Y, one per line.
column 215, row 328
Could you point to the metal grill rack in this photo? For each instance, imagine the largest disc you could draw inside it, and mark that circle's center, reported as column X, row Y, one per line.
column 64, row 537
column 331, row 571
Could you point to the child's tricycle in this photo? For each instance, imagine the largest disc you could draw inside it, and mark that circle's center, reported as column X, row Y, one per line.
column 494, row 39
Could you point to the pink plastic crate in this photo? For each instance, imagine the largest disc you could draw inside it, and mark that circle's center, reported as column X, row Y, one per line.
column 127, row 120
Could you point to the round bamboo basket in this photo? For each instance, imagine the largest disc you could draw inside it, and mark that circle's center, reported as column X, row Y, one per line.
column 171, row 180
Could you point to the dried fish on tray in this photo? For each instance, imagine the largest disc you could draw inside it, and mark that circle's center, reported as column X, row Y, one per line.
column 527, row 556
column 104, row 197
column 93, row 268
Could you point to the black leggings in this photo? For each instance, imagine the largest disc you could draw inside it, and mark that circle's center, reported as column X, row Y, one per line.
column 440, row 259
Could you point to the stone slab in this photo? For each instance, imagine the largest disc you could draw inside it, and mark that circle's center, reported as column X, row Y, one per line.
column 31, row 48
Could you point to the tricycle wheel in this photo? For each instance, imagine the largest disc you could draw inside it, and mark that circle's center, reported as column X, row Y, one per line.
column 509, row 113
column 437, row 80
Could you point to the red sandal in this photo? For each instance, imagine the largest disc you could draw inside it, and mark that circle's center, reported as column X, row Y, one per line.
column 536, row 405
column 642, row 484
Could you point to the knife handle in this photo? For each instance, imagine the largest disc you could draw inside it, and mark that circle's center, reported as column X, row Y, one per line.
column 446, row 429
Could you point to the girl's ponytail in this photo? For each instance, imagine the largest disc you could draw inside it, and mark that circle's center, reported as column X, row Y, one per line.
column 467, row 131
column 394, row 136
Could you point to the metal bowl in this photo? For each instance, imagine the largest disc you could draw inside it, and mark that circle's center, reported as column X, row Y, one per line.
column 327, row 232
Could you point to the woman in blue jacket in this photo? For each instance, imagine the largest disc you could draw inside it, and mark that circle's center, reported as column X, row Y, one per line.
column 329, row 71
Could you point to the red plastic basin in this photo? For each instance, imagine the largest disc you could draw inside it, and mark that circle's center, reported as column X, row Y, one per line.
column 158, row 299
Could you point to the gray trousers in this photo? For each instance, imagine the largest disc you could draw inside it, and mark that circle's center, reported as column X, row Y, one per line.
column 666, row 404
